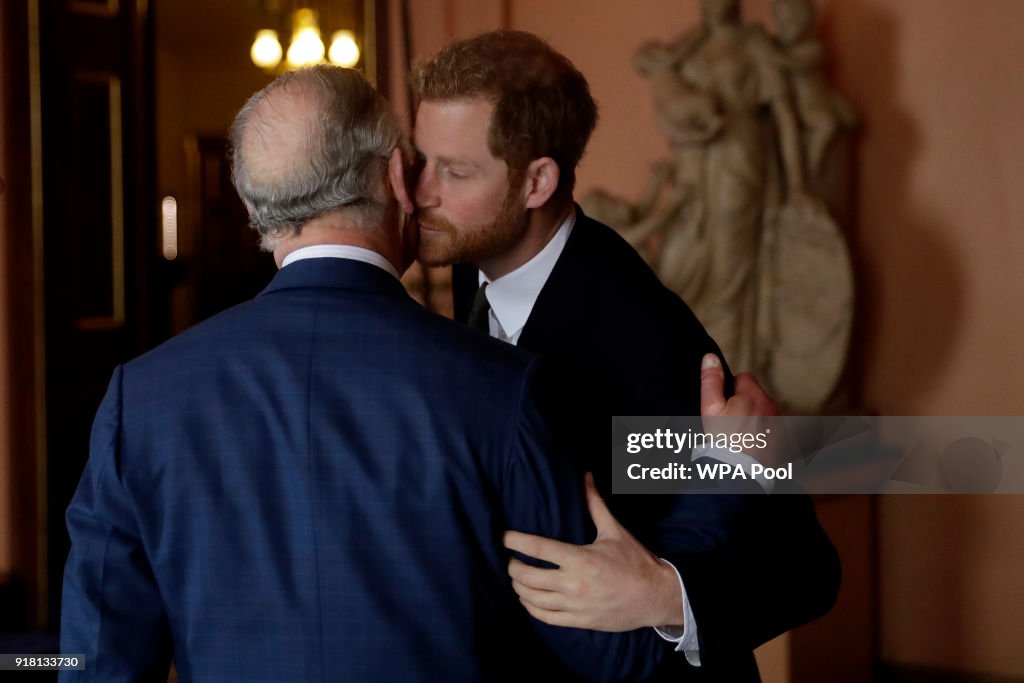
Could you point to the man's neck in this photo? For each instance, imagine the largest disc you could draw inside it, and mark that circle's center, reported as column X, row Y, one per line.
column 333, row 229
column 543, row 224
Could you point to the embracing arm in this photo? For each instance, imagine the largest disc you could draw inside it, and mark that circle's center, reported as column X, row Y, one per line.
column 615, row 583
column 774, row 568
column 612, row 584
column 752, row 566
column 543, row 499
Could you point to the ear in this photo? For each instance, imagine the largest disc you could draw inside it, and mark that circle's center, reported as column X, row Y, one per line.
column 541, row 182
column 396, row 174
column 249, row 208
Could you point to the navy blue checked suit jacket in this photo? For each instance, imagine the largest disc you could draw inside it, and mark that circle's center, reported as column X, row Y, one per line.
column 313, row 486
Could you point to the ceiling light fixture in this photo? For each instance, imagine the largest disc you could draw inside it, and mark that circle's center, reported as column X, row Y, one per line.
column 306, row 47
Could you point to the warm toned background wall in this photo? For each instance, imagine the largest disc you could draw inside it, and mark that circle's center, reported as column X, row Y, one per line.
column 938, row 244
column 952, row 583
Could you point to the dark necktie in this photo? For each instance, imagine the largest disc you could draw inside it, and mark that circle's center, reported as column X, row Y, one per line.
column 478, row 314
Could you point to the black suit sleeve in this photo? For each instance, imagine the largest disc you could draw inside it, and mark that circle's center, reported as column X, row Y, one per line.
column 753, row 565
column 776, row 571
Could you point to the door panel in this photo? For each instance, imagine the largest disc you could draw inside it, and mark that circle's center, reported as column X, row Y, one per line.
column 102, row 277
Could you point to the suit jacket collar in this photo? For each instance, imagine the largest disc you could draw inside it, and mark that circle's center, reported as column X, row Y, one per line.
column 564, row 304
column 335, row 273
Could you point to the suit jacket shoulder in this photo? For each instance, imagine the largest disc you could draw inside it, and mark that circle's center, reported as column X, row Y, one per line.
column 605, row 307
column 335, row 461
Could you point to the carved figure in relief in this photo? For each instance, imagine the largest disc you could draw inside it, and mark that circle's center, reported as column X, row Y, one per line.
column 734, row 220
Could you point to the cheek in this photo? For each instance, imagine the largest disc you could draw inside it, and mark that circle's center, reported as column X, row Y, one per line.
column 469, row 205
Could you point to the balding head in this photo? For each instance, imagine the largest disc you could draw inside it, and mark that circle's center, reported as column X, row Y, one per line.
column 312, row 142
column 276, row 145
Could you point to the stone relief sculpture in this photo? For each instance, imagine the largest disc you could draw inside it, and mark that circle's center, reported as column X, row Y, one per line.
column 735, row 220
column 822, row 111
column 825, row 117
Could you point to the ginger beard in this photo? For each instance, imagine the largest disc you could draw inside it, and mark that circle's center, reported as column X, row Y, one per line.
column 444, row 243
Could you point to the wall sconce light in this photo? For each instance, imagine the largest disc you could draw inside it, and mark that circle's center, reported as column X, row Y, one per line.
column 266, row 50
column 306, row 46
column 344, row 49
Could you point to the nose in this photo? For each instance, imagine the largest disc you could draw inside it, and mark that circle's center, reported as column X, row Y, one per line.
column 426, row 189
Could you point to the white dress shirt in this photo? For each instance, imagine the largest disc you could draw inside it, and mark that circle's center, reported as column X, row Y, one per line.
column 513, row 295
column 340, row 251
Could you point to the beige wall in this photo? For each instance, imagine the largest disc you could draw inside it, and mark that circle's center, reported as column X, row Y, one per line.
column 951, row 582
column 938, row 244
column 940, row 234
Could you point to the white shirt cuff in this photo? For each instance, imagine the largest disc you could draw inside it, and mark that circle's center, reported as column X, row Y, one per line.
column 724, row 455
column 685, row 638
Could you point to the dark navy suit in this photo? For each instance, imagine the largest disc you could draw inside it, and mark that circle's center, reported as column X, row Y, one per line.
column 313, row 486
column 753, row 566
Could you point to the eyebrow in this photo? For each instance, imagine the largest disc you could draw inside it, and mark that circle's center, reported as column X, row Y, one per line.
column 447, row 160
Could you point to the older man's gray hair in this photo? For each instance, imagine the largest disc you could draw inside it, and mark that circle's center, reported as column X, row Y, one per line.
column 322, row 146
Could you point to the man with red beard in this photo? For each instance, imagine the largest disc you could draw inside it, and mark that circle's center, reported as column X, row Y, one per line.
column 502, row 120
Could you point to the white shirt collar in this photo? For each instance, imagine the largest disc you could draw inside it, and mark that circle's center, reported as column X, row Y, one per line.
column 340, row 251
column 513, row 295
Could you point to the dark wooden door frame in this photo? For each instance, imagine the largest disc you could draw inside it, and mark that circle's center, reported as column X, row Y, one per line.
column 24, row 273
column 84, row 271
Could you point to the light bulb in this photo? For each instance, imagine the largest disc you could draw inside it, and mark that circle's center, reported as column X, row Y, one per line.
column 344, row 51
column 306, row 48
column 266, row 50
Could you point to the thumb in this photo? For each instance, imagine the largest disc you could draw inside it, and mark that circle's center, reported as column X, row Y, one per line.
column 605, row 522
column 712, row 386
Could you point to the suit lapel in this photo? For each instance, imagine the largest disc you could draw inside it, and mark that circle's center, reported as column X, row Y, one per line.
column 563, row 306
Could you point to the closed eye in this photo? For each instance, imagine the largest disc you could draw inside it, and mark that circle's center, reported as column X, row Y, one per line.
column 455, row 174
